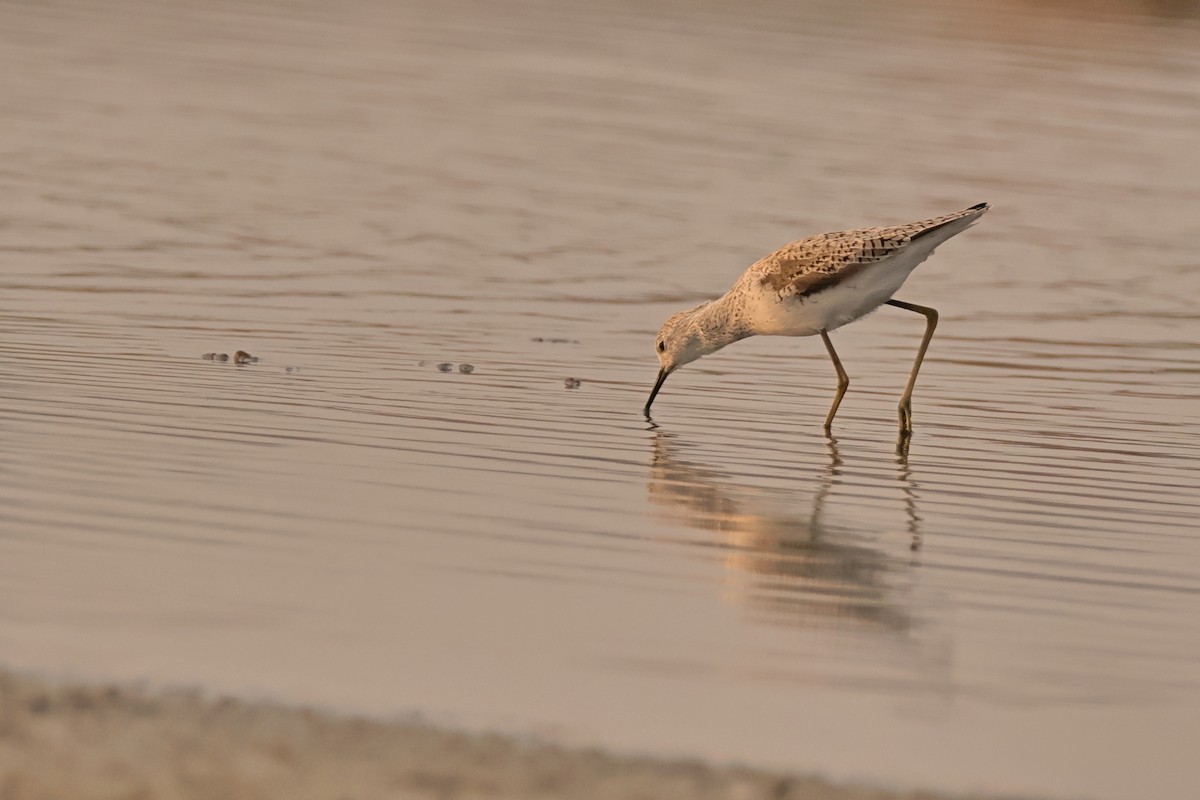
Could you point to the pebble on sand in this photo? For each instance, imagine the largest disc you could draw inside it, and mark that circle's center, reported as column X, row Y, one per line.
column 240, row 357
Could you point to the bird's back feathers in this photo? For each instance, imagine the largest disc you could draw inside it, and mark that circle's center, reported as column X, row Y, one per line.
column 810, row 265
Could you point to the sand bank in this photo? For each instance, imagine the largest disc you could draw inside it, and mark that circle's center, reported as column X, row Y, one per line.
column 84, row 741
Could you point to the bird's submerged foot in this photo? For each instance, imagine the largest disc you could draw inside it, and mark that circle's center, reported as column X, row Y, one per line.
column 905, row 410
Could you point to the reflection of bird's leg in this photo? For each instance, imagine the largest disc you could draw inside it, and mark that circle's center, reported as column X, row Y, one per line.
column 843, row 382
column 931, row 321
column 831, row 477
column 909, row 489
column 835, row 458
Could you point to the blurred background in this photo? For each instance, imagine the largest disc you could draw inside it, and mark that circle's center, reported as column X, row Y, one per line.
column 358, row 192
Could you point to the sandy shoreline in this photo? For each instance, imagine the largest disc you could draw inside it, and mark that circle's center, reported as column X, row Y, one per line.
column 95, row 741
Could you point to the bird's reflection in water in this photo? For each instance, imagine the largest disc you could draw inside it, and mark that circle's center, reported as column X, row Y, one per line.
column 910, row 491
column 790, row 565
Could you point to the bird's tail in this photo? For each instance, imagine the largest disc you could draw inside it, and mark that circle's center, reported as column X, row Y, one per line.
column 943, row 227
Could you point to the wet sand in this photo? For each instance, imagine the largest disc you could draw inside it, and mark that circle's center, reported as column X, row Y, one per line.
column 91, row 742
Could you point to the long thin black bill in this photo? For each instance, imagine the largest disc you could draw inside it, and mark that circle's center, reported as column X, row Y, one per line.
column 662, row 376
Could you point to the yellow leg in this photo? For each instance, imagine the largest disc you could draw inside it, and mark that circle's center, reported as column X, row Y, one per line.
column 843, row 381
column 931, row 321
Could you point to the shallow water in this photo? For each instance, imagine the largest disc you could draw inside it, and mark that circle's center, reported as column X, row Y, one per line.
column 356, row 196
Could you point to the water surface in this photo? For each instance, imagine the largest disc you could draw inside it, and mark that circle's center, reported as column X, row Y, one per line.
column 359, row 193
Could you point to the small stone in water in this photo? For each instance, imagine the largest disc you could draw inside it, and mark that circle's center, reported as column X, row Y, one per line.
column 242, row 357
column 466, row 369
column 445, row 366
column 572, row 383
column 215, row 356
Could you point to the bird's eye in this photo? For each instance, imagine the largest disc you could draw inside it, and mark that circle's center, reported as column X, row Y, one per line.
column 662, row 347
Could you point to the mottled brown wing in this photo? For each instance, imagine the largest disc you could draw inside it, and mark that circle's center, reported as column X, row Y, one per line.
column 810, row 265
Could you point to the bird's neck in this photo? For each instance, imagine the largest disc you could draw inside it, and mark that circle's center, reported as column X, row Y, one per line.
column 720, row 322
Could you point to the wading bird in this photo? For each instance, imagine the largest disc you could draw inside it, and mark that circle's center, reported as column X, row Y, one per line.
column 812, row 287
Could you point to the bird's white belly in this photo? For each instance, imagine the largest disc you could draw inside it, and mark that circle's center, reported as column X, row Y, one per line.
column 831, row 308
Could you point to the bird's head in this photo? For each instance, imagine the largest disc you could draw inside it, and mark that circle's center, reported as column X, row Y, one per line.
column 681, row 340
